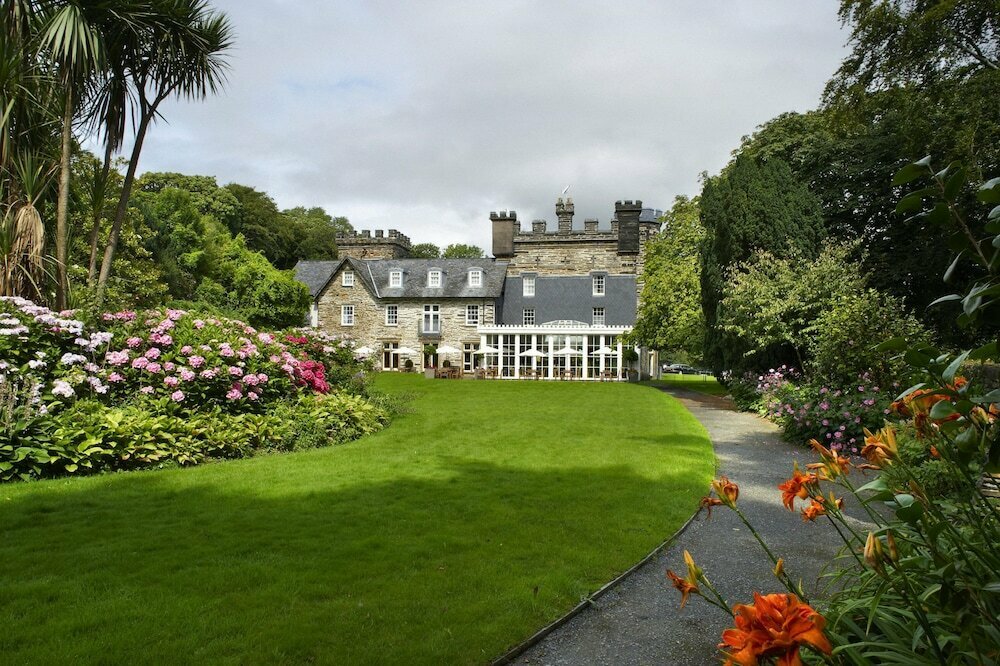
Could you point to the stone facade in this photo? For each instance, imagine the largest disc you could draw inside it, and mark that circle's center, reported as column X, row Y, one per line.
column 370, row 327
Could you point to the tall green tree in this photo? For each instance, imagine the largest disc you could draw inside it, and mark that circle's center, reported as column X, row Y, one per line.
column 670, row 316
column 184, row 57
column 751, row 206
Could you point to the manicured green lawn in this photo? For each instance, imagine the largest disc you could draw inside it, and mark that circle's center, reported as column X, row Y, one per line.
column 484, row 513
column 701, row 383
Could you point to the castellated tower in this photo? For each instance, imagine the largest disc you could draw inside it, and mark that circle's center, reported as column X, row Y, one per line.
column 383, row 245
column 569, row 251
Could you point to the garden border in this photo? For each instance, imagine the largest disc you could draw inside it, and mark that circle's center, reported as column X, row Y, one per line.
column 522, row 647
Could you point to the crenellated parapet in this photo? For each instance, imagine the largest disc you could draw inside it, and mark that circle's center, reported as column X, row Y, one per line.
column 363, row 244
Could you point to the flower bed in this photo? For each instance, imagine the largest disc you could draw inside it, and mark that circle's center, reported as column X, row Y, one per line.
column 175, row 372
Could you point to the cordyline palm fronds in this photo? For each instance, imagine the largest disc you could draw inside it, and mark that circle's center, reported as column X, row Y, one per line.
column 184, row 57
column 22, row 235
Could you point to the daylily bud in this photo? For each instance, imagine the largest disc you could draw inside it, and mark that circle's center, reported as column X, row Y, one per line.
column 890, row 542
column 694, row 571
column 779, row 568
column 873, row 552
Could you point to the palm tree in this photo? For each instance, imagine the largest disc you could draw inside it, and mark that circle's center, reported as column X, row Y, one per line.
column 185, row 57
column 71, row 39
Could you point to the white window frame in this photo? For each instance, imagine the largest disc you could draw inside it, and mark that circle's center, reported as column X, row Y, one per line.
column 347, row 278
column 395, row 279
column 476, row 277
column 434, row 279
column 524, row 317
column 599, row 284
column 432, row 313
column 599, row 317
column 347, row 315
column 394, row 319
column 528, row 285
column 469, row 319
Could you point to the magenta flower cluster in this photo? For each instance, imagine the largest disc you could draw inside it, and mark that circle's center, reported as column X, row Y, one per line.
column 836, row 416
column 189, row 360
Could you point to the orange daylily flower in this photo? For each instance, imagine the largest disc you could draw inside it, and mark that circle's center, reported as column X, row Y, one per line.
column 727, row 491
column 880, row 448
column 776, row 625
column 685, row 587
column 814, row 510
column 797, row 486
column 690, row 583
column 917, row 405
column 818, row 507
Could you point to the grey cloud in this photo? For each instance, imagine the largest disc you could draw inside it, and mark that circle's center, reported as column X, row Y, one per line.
column 426, row 116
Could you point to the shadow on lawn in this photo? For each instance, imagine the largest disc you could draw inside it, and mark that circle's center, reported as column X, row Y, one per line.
column 163, row 566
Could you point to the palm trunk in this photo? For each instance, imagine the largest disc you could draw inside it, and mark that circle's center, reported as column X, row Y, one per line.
column 95, row 233
column 116, row 227
column 62, row 205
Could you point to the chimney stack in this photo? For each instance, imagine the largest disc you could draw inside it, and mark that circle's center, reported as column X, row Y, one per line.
column 627, row 213
column 564, row 211
column 504, row 224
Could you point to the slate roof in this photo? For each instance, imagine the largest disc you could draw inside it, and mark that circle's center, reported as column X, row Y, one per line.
column 374, row 273
column 315, row 274
column 559, row 297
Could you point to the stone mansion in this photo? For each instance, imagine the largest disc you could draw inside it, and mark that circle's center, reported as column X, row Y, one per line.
column 548, row 304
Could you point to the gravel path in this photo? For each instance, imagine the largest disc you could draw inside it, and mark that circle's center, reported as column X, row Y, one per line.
column 639, row 621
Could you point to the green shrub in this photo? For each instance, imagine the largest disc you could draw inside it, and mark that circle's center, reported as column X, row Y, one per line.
column 91, row 437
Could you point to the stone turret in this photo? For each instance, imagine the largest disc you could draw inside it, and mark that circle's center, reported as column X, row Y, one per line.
column 383, row 245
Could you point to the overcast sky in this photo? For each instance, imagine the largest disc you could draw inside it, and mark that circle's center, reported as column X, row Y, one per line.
column 425, row 116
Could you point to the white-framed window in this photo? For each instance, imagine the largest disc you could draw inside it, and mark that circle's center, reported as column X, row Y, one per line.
column 598, row 317
column 528, row 282
column 432, row 319
column 599, row 285
column 528, row 317
column 395, row 279
column 476, row 278
column 347, row 315
column 433, row 279
column 347, row 278
column 472, row 315
column 391, row 315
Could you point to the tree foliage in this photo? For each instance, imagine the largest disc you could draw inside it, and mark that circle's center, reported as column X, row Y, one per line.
column 462, row 251
column 752, row 206
column 425, row 251
column 670, row 317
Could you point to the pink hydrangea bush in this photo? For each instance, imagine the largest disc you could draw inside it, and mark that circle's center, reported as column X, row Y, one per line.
column 192, row 359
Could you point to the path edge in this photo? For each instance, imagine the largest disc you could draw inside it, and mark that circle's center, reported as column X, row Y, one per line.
column 522, row 647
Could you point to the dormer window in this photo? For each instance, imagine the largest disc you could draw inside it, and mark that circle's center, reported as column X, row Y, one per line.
column 599, row 285
column 347, row 278
column 395, row 279
column 434, row 279
column 476, row 277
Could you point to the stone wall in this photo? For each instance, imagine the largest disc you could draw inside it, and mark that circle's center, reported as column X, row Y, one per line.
column 370, row 329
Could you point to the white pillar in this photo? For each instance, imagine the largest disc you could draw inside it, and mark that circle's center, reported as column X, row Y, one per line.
column 534, row 359
column 552, row 365
column 482, row 343
column 620, row 368
column 586, row 347
column 517, row 356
